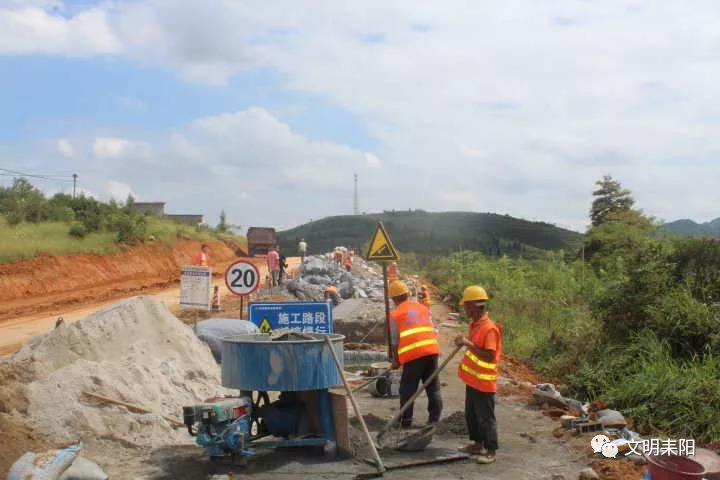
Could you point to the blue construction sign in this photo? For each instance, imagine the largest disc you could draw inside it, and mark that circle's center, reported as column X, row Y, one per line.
column 312, row 317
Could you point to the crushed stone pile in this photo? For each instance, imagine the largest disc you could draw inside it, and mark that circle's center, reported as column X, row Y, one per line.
column 134, row 351
column 453, row 424
column 320, row 271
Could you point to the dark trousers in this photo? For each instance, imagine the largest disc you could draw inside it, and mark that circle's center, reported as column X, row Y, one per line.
column 415, row 372
column 480, row 417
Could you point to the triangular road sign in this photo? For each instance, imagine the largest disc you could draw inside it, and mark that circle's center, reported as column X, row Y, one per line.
column 265, row 326
column 381, row 247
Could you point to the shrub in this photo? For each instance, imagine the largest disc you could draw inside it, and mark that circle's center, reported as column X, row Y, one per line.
column 131, row 229
column 688, row 325
column 77, row 230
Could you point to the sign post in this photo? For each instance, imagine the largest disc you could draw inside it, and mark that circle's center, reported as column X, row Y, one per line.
column 382, row 250
column 242, row 278
column 195, row 288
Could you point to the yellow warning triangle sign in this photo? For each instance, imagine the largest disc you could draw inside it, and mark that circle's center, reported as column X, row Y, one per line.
column 265, row 326
column 381, row 247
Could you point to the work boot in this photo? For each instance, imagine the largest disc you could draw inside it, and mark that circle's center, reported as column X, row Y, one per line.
column 489, row 457
column 473, row 449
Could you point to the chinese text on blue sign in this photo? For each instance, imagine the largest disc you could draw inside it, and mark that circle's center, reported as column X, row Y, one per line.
column 312, row 317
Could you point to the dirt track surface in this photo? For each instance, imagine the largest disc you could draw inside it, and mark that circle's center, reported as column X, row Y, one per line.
column 34, row 293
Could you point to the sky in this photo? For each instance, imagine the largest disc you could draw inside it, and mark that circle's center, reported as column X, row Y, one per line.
column 266, row 109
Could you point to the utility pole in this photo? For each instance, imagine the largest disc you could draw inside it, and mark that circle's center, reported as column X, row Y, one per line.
column 356, row 209
column 75, row 175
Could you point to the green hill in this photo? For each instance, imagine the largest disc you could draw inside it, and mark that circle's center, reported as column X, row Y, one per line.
column 437, row 233
column 687, row 227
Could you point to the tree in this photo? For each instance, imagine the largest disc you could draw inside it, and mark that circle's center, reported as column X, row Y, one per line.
column 22, row 202
column 610, row 198
column 223, row 227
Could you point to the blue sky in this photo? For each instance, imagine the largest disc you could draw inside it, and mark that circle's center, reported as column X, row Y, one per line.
column 266, row 109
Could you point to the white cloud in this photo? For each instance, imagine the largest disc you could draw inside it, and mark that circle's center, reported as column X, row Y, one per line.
column 65, row 147
column 520, row 105
column 34, row 30
column 249, row 163
column 104, row 147
column 117, row 190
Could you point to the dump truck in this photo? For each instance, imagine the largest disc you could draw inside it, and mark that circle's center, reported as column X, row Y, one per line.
column 260, row 239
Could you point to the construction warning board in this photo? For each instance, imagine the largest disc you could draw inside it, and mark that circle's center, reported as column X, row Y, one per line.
column 381, row 247
column 310, row 317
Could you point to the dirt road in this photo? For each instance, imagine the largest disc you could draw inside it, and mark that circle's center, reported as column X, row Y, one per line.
column 16, row 331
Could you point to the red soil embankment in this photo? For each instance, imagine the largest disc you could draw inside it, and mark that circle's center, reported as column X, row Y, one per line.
column 51, row 281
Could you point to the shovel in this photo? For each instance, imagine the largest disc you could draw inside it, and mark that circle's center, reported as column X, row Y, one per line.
column 407, row 404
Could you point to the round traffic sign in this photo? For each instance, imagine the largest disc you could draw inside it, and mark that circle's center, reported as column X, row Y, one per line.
column 242, row 278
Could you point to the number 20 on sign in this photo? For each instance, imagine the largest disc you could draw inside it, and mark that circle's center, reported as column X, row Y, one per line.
column 242, row 278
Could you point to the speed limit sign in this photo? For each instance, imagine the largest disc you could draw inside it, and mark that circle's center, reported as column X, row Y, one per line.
column 242, row 278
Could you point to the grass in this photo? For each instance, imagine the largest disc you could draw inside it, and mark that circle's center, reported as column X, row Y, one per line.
column 28, row 240
column 660, row 392
column 546, row 311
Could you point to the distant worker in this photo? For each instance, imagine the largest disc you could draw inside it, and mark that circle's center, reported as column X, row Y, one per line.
column 201, row 257
column 338, row 257
column 416, row 348
column 479, row 371
column 331, row 293
column 302, row 249
column 273, row 264
column 392, row 272
column 283, row 266
column 424, row 296
column 348, row 262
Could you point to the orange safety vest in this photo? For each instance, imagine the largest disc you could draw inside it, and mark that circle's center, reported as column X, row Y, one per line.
column 392, row 274
column 331, row 289
column 475, row 372
column 415, row 330
column 201, row 259
column 348, row 261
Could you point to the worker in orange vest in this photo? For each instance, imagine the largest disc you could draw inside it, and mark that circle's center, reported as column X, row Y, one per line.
column 392, row 273
column 338, row 256
column 348, row 262
column 424, row 296
column 416, row 348
column 479, row 371
column 331, row 293
column 201, row 258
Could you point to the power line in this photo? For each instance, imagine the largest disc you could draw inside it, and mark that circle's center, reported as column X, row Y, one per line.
column 6, row 172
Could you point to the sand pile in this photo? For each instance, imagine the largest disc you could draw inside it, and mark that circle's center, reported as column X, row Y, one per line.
column 135, row 351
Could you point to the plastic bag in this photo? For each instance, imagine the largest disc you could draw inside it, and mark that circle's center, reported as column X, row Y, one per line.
column 48, row 465
column 213, row 330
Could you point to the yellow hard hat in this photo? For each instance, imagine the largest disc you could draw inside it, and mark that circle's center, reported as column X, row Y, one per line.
column 424, row 286
column 473, row 293
column 398, row 288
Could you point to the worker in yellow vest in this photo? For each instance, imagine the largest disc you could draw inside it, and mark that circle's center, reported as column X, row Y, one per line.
column 416, row 348
column 479, row 371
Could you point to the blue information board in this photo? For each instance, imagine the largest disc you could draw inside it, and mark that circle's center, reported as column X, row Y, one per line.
column 312, row 317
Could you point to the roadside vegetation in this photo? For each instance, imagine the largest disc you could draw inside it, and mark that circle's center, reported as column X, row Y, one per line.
column 31, row 224
column 634, row 320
